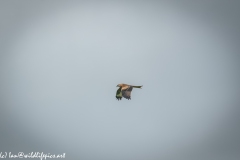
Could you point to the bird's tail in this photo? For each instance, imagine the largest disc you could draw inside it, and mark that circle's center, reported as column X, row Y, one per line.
column 137, row 87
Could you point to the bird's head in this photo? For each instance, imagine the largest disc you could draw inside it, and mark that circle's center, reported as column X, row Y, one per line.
column 119, row 85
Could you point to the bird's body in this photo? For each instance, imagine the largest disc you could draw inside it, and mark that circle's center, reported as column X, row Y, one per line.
column 125, row 91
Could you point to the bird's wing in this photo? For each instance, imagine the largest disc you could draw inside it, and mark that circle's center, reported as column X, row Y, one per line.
column 119, row 94
column 126, row 92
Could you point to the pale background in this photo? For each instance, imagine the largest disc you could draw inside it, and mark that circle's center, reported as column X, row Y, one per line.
column 61, row 61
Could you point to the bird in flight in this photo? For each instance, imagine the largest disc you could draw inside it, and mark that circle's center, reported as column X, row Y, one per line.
column 125, row 91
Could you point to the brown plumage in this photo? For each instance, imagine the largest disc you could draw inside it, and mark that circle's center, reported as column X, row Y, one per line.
column 125, row 91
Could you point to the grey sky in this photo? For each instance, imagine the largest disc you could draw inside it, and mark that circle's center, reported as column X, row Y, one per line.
column 61, row 62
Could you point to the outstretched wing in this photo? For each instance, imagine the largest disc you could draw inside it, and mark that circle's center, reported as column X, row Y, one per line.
column 119, row 94
column 126, row 92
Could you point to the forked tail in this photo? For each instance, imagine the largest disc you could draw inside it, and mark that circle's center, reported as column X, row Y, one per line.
column 137, row 87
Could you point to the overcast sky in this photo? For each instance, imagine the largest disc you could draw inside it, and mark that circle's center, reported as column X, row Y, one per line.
column 61, row 62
